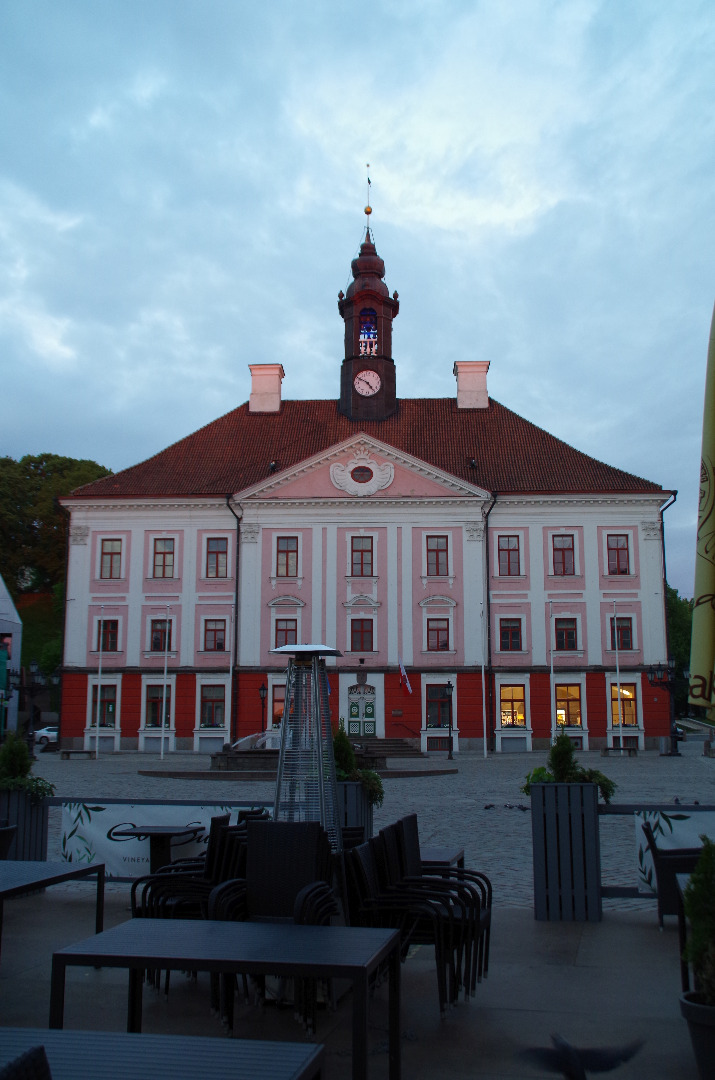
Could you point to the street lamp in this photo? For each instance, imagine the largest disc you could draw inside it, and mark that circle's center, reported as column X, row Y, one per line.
column 664, row 675
column 448, row 691
column 262, row 693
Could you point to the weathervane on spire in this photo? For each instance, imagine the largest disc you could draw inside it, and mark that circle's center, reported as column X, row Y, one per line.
column 368, row 208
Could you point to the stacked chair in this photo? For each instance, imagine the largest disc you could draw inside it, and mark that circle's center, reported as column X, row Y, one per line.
column 288, row 878
column 182, row 889
column 449, row 908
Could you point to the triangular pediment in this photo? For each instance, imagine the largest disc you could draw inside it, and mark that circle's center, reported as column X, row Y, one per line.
column 362, row 467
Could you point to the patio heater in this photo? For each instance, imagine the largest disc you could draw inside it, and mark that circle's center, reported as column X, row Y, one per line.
column 306, row 787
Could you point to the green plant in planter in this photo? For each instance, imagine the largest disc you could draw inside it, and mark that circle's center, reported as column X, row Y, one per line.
column 563, row 768
column 15, row 767
column 346, row 768
column 699, row 903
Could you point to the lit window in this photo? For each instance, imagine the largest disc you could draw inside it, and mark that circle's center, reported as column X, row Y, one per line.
column 628, row 705
column 279, row 700
column 111, row 565
column 217, row 557
column 508, row 556
column 163, row 558
column 107, row 707
column 361, row 635
column 213, row 710
column 437, row 556
column 565, row 635
column 286, row 632
column 512, row 706
column 622, row 633
column 568, row 705
column 563, row 556
column 154, row 697
column 510, row 635
column 215, row 635
column 617, row 554
column 438, row 635
column 361, row 556
column 287, row 556
column 107, row 635
column 160, row 635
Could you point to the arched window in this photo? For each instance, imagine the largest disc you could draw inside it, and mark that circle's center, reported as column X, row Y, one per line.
column 368, row 332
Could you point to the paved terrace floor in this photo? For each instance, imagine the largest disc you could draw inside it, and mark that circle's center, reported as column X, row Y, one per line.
column 596, row 984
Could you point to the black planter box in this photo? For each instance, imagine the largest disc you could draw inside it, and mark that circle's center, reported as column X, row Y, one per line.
column 31, row 819
column 567, row 852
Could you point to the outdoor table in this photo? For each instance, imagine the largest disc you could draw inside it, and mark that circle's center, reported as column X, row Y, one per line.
column 160, row 837
column 84, row 1055
column 442, row 856
column 250, row 948
column 20, row 877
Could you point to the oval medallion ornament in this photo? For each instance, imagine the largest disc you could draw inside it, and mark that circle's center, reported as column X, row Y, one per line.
column 361, row 474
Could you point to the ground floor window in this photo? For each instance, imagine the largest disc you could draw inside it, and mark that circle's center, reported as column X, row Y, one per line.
column 512, row 705
column 628, row 705
column 213, row 706
column 278, row 704
column 107, row 706
column 154, row 695
column 439, row 704
column 568, row 705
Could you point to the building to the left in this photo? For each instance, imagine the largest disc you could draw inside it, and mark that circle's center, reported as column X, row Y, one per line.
column 480, row 577
column 10, row 651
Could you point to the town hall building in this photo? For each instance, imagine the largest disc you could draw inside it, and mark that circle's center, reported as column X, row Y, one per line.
column 480, row 578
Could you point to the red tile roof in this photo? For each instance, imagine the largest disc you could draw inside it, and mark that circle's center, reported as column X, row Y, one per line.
column 512, row 455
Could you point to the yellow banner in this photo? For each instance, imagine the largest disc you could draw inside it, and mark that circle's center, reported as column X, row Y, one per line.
column 702, row 647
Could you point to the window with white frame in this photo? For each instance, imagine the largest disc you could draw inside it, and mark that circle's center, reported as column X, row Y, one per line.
column 627, row 712
column 163, row 557
column 361, row 556
column 160, row 635
column 361, row 635
column 155, row 694
column 617, row 553
column 568, row 705
column 437, row 552
column 508, row 555
column 287, row 556
column 437, row 635
column 107, row 705
column 622, row 633
column 510, row 635
column 107, row 635
column 563, row 555
column 110, row 567
column 217, row 557
column 213, row 706
column 512, row 705
column 566, row 635
column 286, row 632
column 214, row 635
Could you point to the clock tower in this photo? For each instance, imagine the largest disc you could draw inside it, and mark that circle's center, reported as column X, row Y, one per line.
column 367, row 376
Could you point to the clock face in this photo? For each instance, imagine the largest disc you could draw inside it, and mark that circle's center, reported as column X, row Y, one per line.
column 367, row 382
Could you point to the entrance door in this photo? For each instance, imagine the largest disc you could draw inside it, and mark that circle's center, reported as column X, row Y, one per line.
column 361, row 711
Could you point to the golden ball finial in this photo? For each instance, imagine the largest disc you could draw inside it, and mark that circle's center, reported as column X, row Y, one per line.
column 368, row 210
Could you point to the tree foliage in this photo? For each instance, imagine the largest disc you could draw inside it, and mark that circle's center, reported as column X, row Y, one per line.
column 679, row 614
column 33, row 527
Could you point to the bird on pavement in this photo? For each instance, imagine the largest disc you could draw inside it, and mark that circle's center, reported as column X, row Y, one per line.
column 574, row 1063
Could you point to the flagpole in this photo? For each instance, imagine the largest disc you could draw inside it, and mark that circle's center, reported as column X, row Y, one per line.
column 551, row 676
column 618, row 676
column 163, row 692
column 99, row 679
column 484, row 691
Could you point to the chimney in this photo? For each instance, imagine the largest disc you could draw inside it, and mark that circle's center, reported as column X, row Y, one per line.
column 265, row 387
column 471, row 376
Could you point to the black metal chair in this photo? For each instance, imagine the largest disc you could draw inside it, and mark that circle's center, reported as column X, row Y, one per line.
column 667, row 862
column 419, row 917
column 289, row 871
column 32, row 1065
column 413, row 865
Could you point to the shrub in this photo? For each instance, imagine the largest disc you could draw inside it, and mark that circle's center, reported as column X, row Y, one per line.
column 563, row 768
column 699, row 903
column 15, row 766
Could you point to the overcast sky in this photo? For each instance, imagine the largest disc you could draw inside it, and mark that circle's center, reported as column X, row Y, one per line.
column 182, row 185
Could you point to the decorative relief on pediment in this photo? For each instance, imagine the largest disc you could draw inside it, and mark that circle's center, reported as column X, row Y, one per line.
column 362, row 474
column 79, row 534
